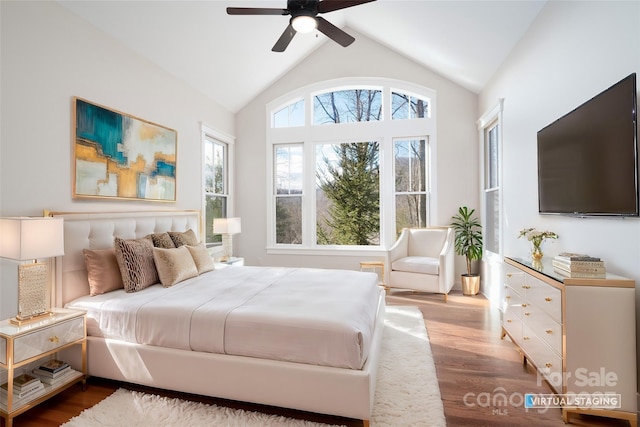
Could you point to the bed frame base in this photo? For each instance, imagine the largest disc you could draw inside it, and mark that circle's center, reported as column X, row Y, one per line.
column 325, row 390
column 320, row 389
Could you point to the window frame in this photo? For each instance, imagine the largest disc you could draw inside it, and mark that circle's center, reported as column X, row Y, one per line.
column 492, row 119
column 384, row 131
column 209, row 134
column 427, row 184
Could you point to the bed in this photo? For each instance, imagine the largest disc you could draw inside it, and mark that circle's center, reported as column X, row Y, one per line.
column 243, row 360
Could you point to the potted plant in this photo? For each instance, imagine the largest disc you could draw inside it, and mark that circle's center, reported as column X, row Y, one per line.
column 468, row 242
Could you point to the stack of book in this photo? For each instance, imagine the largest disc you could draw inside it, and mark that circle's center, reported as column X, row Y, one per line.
column 25, row 388
column 579, row 265
column 54, row 372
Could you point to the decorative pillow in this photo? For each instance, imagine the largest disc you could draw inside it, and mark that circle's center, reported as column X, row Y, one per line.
column 135, row 259
column 174, row 265
column 102, row 270
column 183, row 238
column 201, row 257
column 162, row 240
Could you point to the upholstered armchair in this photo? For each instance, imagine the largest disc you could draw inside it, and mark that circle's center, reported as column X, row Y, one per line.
column 422, row 259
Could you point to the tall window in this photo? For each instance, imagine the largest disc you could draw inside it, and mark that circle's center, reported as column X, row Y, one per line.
column 411, row 192
column 288, row 193
column 216, row 170
column 492, row 189
column 489, row 127
column 349, row 176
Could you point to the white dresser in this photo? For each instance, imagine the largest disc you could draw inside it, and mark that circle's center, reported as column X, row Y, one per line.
column 579, row 334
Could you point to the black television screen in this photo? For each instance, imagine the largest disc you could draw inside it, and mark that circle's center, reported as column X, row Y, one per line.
column 588, row 159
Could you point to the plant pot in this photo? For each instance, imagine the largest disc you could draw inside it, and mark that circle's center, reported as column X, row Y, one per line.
column 470, row 284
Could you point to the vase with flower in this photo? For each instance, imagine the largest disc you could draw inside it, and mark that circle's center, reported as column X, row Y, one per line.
column 537, row 238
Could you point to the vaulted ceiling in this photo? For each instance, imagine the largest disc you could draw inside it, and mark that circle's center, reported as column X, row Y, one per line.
column 197, row 42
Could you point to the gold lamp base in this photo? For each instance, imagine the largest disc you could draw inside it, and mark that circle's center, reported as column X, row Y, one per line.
column 32, row 293
column 19, row 320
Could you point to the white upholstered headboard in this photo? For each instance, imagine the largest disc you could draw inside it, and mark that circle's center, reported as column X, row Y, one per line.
column 97, row 231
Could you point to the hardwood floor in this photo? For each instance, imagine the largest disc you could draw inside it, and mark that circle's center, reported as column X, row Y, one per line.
column 473, row 365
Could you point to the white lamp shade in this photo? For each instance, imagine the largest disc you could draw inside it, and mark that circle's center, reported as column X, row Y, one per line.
column 226, row 225
column 26, row 238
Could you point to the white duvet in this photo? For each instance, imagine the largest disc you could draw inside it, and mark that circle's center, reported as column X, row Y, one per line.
column 314, row 316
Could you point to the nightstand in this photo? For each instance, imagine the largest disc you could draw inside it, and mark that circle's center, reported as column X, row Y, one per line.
column 374, row 266
column 23, row 348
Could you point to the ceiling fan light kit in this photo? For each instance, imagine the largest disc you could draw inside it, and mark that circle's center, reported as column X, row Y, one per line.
column 304, row 19
column 304, row 23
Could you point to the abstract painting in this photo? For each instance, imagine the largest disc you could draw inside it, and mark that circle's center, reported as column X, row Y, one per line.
column 116, row 155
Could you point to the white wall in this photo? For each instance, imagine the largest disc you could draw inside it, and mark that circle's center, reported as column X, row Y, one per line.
column 48, row 56
column 456, row 152
column 573, row 51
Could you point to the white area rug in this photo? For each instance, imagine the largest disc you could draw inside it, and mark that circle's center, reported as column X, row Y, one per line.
column 407, row 392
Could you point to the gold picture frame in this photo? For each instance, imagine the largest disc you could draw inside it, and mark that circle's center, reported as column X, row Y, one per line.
column 119, row 156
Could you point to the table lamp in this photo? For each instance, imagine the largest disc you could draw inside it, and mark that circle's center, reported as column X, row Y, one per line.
column 227, row 227
column 27, row 238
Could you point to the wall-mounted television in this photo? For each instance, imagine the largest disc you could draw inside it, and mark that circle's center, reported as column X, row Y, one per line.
column 588, row 158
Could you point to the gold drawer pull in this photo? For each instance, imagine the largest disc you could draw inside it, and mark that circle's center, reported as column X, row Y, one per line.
column 524, row 304
column 549, row 331
column 509, row 274
column 526, row 338
column 509, row 320
column 54, row 339
column 526, row 313
column 548, row 299
column 548, row 365
column 508, row 297
column 526, row 287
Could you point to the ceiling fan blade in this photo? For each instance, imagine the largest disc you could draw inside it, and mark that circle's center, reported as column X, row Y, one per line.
column 333, row 32
column 256, row 11
column 330, row 6
column 284, row 39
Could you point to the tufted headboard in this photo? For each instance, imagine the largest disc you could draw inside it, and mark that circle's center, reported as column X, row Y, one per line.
column 97, row 231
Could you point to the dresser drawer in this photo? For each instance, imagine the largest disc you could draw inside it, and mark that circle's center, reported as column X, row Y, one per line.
column 546, row 361
column 545, row 297
column 546, row 328
column 513, row 325
column 513, row 301
column 514, row 278
column 47, row 339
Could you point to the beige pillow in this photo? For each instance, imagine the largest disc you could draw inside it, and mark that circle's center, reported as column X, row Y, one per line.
column 135, row 259
column 162, row 240
column 201, row 257
column 102, row 270
column 174, row 265
column 183, row 238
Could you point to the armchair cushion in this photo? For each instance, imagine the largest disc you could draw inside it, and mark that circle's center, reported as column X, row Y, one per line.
column 417, row 264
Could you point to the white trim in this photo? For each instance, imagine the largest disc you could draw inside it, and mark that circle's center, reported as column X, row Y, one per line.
column 211, row 133
column 492, row 261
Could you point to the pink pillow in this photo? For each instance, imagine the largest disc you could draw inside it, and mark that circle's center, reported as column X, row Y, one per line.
column 102, row 270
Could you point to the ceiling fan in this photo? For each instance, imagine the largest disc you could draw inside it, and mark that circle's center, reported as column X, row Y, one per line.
column 304, row 19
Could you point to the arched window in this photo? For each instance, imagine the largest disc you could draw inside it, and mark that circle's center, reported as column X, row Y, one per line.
column 352, row 169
